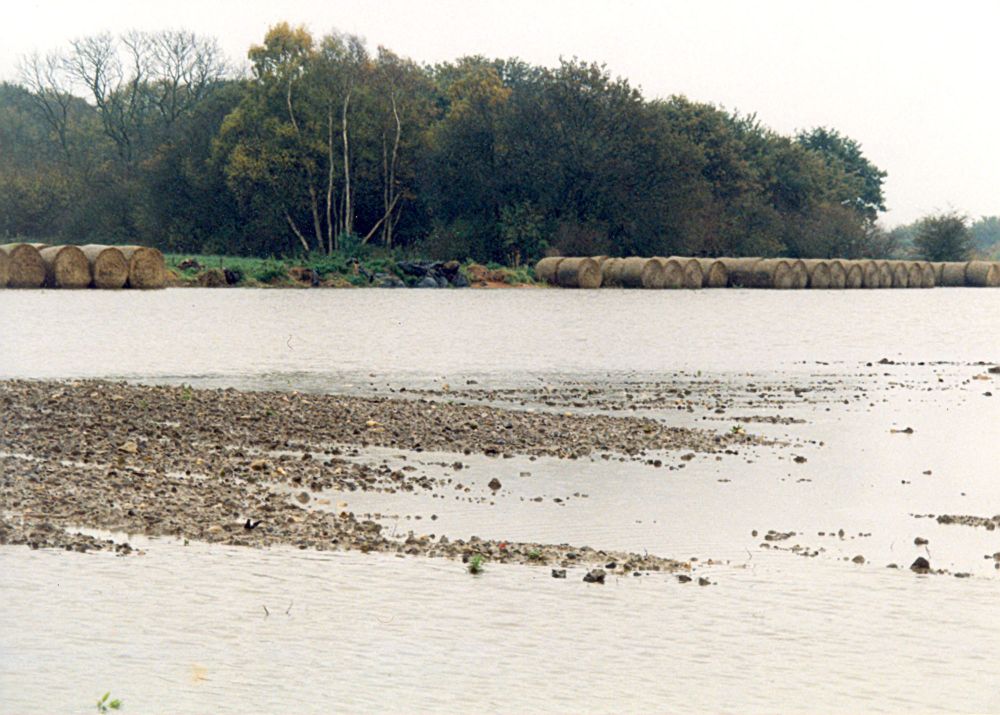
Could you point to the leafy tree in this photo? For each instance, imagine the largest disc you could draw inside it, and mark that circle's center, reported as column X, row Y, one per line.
column 325, row 144
column 861, row 181
column 522, row 230
column 986, row 233
column 943, row 237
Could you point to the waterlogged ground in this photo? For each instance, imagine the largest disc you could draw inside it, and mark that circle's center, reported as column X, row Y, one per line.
column 874, row 441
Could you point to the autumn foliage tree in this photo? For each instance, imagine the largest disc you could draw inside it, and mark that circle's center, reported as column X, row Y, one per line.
column 325, row 146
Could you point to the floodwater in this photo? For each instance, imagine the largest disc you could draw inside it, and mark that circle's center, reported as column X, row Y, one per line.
column 218, row 629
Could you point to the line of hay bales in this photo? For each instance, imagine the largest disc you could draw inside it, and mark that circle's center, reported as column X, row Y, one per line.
column 38, row 265
column 777, row 273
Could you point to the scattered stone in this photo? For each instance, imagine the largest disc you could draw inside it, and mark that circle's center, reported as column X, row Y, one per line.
column 494, row 484
column 921, row 565
column 684, row 578
column 558, row 573
column 594, row 576
column 859, row 559
column 920, row 541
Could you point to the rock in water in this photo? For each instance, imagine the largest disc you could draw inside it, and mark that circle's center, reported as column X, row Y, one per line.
column 494, row 484
column 594, row 576
column 921, row 565
column 426, row 282
column 558, row 573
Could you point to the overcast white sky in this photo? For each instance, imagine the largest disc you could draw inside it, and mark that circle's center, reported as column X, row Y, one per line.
column 914, row 82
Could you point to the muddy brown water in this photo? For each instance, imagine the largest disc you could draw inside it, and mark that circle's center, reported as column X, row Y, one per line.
column 184, row 628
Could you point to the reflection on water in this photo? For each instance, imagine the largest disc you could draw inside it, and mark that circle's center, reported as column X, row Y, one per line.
column 184, row 628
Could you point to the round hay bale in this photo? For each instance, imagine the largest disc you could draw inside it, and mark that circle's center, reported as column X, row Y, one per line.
column 772, row 273
column 578, row 273
column 146, row 268
column 900, row 274
column 838, row 273
column 800, row 271
column 927, row 274
column 4, row 270
column 884, row 274
column 982, row 274
column 938, row 272
column 869, row 273
column 611, row 273
column 673, row 272
column 545, row 269
column 108, row 267
column 914, row 275
column 692, row 276
column 953, row 274
column 713, row 273
column 26, row 267
column 65, row 267
column 740, row 271
column 855, row 276
column 642, row 273
column 819, row 273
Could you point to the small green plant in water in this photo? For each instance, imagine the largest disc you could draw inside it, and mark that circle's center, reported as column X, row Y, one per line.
column 535, row 555
column 104, row 705
column 476, row 564
column 737, row 429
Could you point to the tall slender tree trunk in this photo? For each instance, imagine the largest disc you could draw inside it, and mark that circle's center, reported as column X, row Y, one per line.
column 389, row 195
column 348, row 209
column 331, row 230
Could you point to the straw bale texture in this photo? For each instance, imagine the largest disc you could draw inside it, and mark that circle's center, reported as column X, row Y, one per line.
column 740, row 271
column 108, row 267
column 65, row 267
column 838, row 273
column 26, row 268
column 578, row 273
column 773, row 273
column 691, row 272
column 854, row 276
column 545, row 269
column 900, row 274
column 713, row 272
column 938, row 272
column 869, row 273
column 982, row 274
column 927, row 274
column 953, row 274
column 800, row 271
column 146, row 268
column 4, row 269
column 884, row 274
column 673, row 272
column 819, row 273
column 642, row 273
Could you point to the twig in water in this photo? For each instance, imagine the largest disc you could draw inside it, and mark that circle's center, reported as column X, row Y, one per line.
column 266, row 612
column 288, row 612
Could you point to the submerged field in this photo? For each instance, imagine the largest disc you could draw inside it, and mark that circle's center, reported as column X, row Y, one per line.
column 770, row 469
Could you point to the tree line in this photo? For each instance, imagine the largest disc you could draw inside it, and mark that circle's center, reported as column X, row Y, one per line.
column 322, row 145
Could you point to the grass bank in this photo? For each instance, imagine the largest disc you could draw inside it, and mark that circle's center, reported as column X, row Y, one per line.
column 334, row 271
